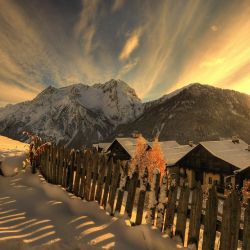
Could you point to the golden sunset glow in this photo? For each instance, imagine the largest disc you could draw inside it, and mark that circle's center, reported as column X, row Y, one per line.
column 155, row 47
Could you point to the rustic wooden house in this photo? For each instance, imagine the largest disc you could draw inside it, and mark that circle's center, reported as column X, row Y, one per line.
column 173, row 152
column 214, row 162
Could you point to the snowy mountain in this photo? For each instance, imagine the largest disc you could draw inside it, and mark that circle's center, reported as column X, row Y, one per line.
column 77, row 114
column 81, row 115
column 194, row 113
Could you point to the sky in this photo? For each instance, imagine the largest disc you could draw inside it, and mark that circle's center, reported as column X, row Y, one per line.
column 156, row 46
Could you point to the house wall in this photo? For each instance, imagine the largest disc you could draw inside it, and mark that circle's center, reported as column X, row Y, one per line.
column 210, row 179
column 187, row 176
column 204, row 165
column 118, row 152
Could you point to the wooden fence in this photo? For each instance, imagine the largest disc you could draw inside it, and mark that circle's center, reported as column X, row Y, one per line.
column 177, row 211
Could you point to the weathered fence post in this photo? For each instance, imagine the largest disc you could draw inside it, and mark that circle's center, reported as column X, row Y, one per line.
column 162, row 202
column 89, row 164
column 210, row 220
column 230, row 222
column 66, row 168
column 142, row 196
column 182, row 214
column 195, row 217
column 54, row 163
column 246, row 229
column 48, row 150
column 131, row 192
column 83, row 173
column 95, row 175
column 107, row 183
column 153, row 197
column 71, row 171
column 61, row 164
column 122, row 185
column 170, row 210
column 114, row 186
column 101, row 175
column 77, row 175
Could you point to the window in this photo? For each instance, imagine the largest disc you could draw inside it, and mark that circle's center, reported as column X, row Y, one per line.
column 210, row 180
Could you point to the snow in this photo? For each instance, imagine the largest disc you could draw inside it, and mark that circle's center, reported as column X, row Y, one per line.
column 12, row 156
column 236, row 154
column 37, row 215
column 59, row 112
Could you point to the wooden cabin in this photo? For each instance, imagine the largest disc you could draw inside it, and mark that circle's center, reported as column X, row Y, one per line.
column 173, row 152
column 214, row 162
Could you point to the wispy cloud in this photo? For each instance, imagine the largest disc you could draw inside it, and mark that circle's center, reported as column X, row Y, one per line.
column 117, row 5
column 155, row 46
column 131, row 44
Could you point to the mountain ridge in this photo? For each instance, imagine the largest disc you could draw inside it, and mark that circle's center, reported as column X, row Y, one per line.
column 81, row 114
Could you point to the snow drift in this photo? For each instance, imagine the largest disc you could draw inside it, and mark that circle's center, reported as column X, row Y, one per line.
column 12, row 156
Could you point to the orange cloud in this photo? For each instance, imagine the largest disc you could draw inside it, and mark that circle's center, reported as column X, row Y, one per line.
column 131, row 44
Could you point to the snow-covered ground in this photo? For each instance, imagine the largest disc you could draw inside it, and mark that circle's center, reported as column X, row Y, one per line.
column 38, row 215
column 12, row 155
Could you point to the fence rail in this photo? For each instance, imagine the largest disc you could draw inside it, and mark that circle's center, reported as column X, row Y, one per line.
column 177, row 211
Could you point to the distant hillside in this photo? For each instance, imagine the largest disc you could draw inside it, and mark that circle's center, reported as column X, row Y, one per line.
column 197, row 113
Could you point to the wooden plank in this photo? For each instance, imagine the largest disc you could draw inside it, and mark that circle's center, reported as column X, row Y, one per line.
column 54, row 164
column 60, row 173
column 153, row 197
column 230, row 222
column 70, row 176
column 50, row 164
column 131, row 192
column 65, row 168
column 95, row 175
column 114, row 185
column 107, row 183
column 58, row 152
column 210, row 219
column 83, row 174
column 122, row 186
column 162, row 202
column 47, row 163
column 77, row 173
column 246, row 229
column 101, row 176
column 142, row 196
column 195, row 218
column 88, row 162
column 182, row 214
column 170, row 210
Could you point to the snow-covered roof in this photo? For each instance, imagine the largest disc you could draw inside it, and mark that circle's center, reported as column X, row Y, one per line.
column 234, row 153
column 129, row 144
column 173, row 154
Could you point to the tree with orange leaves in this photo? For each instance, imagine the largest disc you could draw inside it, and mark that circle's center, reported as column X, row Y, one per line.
column 155, row 159
column 140, row 156
column 150, row 158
